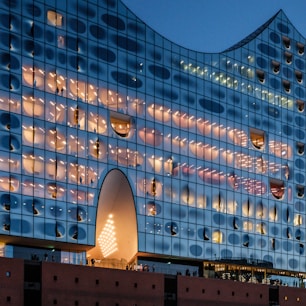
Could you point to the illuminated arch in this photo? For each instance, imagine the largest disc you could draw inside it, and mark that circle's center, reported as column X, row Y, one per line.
column 116, row 222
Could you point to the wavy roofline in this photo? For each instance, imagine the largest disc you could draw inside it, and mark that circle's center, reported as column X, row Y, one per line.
column 254, row 34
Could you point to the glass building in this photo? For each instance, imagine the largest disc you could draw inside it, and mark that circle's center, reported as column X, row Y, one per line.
column 117, row 144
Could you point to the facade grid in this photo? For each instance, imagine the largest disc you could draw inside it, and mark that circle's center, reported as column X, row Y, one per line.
column 116, row 142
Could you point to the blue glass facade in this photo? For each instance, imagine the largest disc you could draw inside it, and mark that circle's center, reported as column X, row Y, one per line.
column 210, row 145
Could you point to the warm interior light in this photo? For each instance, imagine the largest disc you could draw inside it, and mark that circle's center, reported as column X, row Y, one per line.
column 107, row 239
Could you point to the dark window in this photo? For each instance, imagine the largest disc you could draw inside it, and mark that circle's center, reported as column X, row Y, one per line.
column 300, row 47
column 300, row 105
column 260, row 75
column 286, row 42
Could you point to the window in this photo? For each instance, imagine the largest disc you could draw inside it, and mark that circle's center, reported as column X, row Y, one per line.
column 300, row 105
column 54, row 18
column 257, row 138
column 298, row 220
column 217, row 237
column 288, row 57
column 260, row 210
column 261, row 228
column 300, row 191
column 300, row 148
column 275, row 66
column 120, row 123
column 301, row 48
column 277, row 188
column 287, row 86
column 286, row 42
column 273, row 243
column 299, row 76
column 260, row 75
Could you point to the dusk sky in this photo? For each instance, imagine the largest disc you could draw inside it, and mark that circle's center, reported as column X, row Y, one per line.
column 213, row 25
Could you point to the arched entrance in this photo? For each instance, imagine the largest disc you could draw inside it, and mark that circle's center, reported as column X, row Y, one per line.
column 116, row 224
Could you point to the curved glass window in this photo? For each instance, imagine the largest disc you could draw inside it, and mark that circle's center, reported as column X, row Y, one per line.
column 301, row 48
column 277, row 188
column 54, row 18
column 217, row 237
column 299, row 76
column 257, row 138
column 260, row 75
column 300, row 105
column 121, row 124
column 286, row 42
column 288, row 57
column 275, row 66
column 300, row 191
column 300, row 148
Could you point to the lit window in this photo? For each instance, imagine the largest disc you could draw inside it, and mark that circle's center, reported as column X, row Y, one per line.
column 219, row 203
column 280, row 149
column 247, row 226
column 257, row 138
column 217, row 237
column 261, row 165
column 247, row 209
column 277, row 189
column 273, row 213
column 121, row 124
column 261, row 228
column 55, row 18
column 260, row 210
column 298, row 220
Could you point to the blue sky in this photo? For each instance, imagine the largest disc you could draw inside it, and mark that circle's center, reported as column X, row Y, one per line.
column 214, row 25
